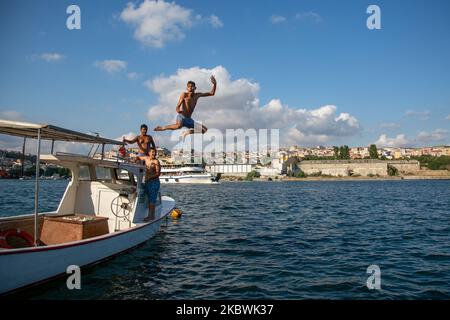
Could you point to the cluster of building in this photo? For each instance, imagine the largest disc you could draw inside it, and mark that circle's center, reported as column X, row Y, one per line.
column 8, row 164
column 363, row 152
column 267, row 162
column 319, row 152
column 295, row 159
column 12, row 167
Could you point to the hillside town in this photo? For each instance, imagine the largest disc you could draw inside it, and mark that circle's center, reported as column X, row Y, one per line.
column 363, row 152
column 285, row 161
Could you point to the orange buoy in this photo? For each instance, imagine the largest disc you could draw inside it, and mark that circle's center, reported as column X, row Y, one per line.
column 176, row 213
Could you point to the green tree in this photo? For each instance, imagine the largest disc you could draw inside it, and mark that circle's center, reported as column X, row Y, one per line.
column 341, row 152
column 31, row 171
column 336, row 152
column 434, row 163
column 373, row 152
column 301, row 174
column 252, row 174
column 346, row 152
column 392, row 171
column 15, row 172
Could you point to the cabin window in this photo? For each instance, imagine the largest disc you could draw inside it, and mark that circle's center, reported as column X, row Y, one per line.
column 84, row 174
column 103, row 174
column 122, row 175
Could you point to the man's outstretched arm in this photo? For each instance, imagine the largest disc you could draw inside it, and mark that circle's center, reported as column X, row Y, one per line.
column 213, row 89
column 130, row 141
column 142, row 158
column 180, row 102
column 152, row 143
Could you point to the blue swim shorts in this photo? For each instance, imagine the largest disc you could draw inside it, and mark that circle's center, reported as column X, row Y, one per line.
column 151, row 190
column 187, row 122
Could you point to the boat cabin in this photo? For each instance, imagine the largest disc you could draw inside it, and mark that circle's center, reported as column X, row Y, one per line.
column 104, row 195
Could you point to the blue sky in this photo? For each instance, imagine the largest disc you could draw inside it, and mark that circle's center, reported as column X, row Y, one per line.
column 307, row 54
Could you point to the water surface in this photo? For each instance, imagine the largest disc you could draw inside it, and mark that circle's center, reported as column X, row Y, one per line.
column 274, row 240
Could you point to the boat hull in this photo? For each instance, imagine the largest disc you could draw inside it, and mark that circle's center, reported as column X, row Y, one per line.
column 23, row 267
column 181, row 179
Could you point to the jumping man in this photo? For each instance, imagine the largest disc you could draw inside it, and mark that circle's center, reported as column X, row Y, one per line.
column 185, row 108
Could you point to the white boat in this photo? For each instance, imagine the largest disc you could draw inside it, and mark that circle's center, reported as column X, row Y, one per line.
column 100, row 215
column 187, row 174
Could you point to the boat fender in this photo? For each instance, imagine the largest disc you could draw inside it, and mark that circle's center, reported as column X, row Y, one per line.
column 15, row 233
column 123, row 151
column 176, row 213
column 3, row 243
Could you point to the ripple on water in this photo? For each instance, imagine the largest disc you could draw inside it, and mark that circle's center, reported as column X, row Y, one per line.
column 304, row 240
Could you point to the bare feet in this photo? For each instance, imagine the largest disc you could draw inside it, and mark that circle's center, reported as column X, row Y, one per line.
column 159, row 128
column 148, row 219
column 186, row 133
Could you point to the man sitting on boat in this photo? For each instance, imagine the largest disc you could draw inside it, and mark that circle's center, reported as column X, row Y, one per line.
column 152, row 173
column 144, row 141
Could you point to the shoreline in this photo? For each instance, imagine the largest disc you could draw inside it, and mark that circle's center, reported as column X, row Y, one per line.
column 293, row 179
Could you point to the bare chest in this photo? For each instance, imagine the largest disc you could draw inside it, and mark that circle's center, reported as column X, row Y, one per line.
column 150, row 166
column 190, row 101
column 143, row 140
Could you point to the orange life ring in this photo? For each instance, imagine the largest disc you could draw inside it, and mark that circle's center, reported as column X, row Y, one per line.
column 15, row 233
column 3, row 243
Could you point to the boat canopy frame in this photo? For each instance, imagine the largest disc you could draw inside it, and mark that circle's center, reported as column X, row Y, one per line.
column 53, row 133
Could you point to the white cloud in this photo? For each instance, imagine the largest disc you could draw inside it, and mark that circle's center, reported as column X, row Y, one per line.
column 15, row 143
column 51, row 57
column 389, row 125
column 10, row 143
column 11, row 115
column 422, row 138
column 399, row 141
column 422, row 115
column 215, row 21
column 447, row 117
column 236, row 105
column 435, row 136
column 309, row 16
column 133, row 75
column 158, row 22
column 111, row 66
column 275, row 19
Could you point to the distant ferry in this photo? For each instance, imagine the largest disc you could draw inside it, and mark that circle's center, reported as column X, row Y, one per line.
column 187, row 174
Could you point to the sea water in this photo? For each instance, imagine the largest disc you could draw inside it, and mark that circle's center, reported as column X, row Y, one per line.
column 273, row 240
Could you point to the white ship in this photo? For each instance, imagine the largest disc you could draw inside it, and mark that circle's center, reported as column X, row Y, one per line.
column 187, row 174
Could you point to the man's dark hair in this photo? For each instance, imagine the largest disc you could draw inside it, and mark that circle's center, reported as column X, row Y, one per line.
column 144, row 126
column 191, row 82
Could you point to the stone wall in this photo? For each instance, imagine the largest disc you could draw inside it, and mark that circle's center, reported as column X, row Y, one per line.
column 406, row 166
column 357, row 167
column 432, row 173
